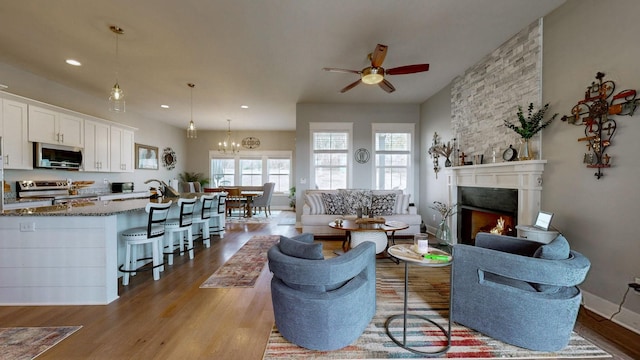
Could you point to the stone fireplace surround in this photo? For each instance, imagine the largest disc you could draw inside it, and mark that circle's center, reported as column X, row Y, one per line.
column 525, row 176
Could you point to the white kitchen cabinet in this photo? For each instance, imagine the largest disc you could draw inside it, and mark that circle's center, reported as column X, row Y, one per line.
column 17, row 150
column 122, row 144
column 96, row 149
column 53, row 127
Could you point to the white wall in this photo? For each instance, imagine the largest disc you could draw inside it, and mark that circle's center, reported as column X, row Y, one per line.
column 598, row 217
column 149, row 132
column 362, row 116
column 435, row 116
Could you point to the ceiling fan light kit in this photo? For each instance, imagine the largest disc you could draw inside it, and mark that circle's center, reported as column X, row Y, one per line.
column 375, row 73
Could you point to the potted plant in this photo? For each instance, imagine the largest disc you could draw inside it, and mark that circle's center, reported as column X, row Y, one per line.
column 292, row 197
column 529, row 126
column 186, row 177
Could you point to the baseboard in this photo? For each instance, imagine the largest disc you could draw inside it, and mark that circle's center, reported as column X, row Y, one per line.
column 626, row 318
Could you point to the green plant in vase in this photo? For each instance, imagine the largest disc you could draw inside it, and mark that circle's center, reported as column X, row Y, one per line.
column 443, row 234
column 529, row 126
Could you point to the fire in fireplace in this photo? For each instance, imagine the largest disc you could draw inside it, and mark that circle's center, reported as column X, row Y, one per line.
column 480, row 210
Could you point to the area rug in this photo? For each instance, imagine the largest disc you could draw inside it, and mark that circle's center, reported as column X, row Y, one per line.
column 18, row 343
column 244, row 267
column 245, row 220
column 428, row 296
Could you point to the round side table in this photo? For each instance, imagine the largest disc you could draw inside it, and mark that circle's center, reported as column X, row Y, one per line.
column 404, row 253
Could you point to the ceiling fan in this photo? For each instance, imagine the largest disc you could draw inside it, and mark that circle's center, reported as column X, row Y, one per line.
column 375, row 73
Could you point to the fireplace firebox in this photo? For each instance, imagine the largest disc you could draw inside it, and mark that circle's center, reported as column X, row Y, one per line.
column 480, row 209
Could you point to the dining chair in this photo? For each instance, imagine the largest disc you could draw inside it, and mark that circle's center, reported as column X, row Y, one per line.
column 235, row 201
column 153, row 234
column 180, row 225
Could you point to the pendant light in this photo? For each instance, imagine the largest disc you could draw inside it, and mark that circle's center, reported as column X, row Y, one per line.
column 116, row 99
column 191, row 129
column 228, row 145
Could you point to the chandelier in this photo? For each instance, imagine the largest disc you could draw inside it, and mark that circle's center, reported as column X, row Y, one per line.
column 191, row 129
column 116, row 98
column 228, row 145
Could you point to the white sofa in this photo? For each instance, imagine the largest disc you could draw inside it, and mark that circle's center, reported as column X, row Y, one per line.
column 315, row 217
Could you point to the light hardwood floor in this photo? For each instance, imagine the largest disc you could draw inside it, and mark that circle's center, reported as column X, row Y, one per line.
column 174, row 319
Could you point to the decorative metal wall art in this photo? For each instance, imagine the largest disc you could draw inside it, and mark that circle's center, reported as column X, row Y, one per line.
column 594, row 113
column 438, row 149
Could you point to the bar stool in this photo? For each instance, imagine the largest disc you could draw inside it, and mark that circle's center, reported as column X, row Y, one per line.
column 218, row 219
column 202, row 223
column 180, row 225
column 152, row 234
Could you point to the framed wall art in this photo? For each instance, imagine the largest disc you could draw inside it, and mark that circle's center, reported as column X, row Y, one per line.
column 146, row 157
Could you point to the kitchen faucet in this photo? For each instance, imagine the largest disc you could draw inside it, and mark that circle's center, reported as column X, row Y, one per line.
column 167, row 191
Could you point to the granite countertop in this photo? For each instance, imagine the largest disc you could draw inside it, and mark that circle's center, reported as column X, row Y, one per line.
column 93, row 208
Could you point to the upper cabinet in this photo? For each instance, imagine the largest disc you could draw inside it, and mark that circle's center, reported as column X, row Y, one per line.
column 122, row 144
column 96, row 146
column 17, row 150
column 54, row 127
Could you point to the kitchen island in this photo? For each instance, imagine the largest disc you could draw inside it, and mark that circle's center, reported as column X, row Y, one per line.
column 67, row 254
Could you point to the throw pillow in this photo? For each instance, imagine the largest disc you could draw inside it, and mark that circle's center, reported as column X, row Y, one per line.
column 301, row 249
column 316, row 206
column 558, row 249
column 355, row 199
column 333, row 203
column 383, row 204
column 402, row 204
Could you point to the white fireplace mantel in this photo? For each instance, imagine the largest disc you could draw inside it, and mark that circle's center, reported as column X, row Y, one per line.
column 525, row 176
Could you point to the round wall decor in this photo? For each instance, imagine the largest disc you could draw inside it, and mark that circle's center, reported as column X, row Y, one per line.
column 362, row 156
column 169, row 158
column 250, row 142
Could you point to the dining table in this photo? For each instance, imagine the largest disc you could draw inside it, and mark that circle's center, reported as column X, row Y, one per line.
column 248, row 196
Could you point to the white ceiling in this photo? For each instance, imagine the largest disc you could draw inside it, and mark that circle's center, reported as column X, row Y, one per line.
column 267, row 54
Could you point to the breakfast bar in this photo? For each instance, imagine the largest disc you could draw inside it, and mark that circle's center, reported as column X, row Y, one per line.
column 66, row 254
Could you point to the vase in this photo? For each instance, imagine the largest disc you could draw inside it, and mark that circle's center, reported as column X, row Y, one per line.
column 525, row 152
column 447, row 163
column 443, row 234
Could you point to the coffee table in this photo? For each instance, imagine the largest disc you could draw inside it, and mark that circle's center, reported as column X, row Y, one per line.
column 357, row 233
column 404, row 253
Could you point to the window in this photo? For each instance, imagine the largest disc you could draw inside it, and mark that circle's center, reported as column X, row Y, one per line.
column 279, row 172
column 393, row 156
column 223, row 172
column 250, row 172
column 330, row 144
column 252, row 169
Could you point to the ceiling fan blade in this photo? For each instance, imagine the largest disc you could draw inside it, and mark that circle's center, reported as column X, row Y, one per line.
column 378, row 55
column 386, row 86
column 351, row 86
column 408, row 69
column 342, row 70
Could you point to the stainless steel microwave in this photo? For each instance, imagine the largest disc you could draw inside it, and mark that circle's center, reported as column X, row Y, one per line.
column 52, row 156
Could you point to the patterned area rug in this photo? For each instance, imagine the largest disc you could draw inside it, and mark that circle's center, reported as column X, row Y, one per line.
column 428, row 296
column 244, row 267
column 20, row 343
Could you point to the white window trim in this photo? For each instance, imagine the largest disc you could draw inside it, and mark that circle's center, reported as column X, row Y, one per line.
column 254, row 154
column 330, row 126
column 396, row 128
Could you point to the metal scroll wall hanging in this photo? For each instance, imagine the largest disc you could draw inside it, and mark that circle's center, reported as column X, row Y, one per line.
column 593, row 112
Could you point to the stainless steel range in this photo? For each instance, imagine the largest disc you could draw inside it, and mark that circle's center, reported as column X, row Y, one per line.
column 58, row 191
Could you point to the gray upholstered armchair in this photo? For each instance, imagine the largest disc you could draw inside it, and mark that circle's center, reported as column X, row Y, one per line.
column 517, row 291
column 322, row 304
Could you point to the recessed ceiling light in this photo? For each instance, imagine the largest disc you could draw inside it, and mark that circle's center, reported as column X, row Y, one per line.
column 164, row 106
column 244, row 106
column 73, row 62
column 3, row 86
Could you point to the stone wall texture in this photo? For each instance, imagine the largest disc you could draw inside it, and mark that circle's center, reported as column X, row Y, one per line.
column 491, row 91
